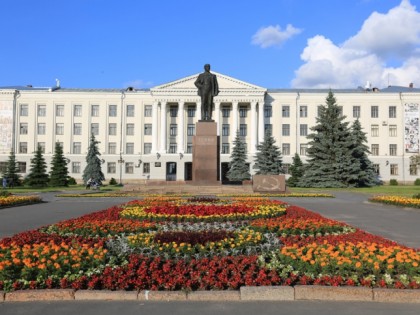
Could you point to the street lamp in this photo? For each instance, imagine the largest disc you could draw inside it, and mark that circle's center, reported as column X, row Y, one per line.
column 121, row 162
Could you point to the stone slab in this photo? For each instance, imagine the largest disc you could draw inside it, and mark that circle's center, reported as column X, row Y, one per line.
column 40, row 295
column 105, row 295
column 269, row 183
column 325, row 293
column 162, row 295
column 2, row 296
column 228, row 295
column 276, row 293
column 396, row 295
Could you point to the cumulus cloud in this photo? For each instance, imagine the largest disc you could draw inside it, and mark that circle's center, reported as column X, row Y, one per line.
column 274, row 35
column 384, row 39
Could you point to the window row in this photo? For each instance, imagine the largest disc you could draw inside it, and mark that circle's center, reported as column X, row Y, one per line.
column 374, row 149
column 77, row 110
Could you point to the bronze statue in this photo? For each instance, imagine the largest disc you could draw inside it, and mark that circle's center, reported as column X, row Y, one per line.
column 207, row 88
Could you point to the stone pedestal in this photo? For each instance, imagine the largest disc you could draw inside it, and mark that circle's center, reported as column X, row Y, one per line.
column 205, row 164
column 269, row 183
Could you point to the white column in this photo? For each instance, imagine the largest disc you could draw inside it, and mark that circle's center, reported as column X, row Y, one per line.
column 162, row 127
column 198, row 110
column 181, row 132
column 155, row 127
column 254, row 123
column 260, row 122
column 235, row 120
column 217, row 116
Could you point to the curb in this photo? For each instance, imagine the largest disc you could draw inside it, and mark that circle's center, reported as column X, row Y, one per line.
column 249, row 293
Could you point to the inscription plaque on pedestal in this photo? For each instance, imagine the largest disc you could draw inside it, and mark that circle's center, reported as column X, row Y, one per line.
column 205, row 164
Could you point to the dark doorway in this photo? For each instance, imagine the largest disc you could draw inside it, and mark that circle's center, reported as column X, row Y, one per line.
column 170, row 171
column 188, row 171
column 225, row 169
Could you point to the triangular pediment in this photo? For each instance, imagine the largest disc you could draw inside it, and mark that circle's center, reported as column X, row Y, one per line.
column 225, row 83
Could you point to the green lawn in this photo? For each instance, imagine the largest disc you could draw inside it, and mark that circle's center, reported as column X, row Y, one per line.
column 18, row 190
column 406, row 190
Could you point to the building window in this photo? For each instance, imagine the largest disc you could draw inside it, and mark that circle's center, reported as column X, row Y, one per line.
column 112, row 111
column 94, row 129
column 268, row 129
column 285, row 130
column 146, row 168
column 77, row 110
column 392, row 111
column 130, row 130
column 285, row 111
column 225, row 129
column 173, row 111
column 413, row 169
column 394, row 169
column 191, row 111
column 59, row 129
column 23, row 109
column 225, row 111
column 173, row 130
column 111, row 167
column 148, row 111
column 356, row 111
column 94, row 110
column 392, row 149
column 112, row 148
column 242, row 111
column 286, row 168
column 319, row 110
column 374, row 112
column 392, row 130
column 268, row 111
column 376, row 169
column 147, row 148
column 41, row 128
column 77, row 129
column 303, row 149
column 112, row 129
column 22, row 167
column 147, row 129
column 59, row 110
column 340, row 111
column 41, row 145
column 225, row 148
column 285, row 149
column 242, row 130
column 303, row 130
column 189, row 147
column 42, row 110
column 375, row 149
column 75, row 167
column 130, row 110
column 303, row 111
column 374, row 130
column 23, row 128
column 172, row 147
column 129, row 168
column 77, row 147
column 23, row 147
column 3, row 167
column 129, row 148
column 190, row 130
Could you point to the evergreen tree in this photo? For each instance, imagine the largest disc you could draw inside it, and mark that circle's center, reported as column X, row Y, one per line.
column 268, row 159
column 366, row 173
column 59, row 175
column 296, row 170
column 330, row 159
column 238, row 168
column 38, row 176
column 93, row 166
column 12, row 170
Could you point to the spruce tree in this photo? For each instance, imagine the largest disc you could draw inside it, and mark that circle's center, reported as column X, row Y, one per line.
column 238, row 167
column 296, row 171
column 330, row 159
column 12, row 170
column 366, row 173
column 93, row 163
column 59, row 175
column 268, row 160
column 38, row 176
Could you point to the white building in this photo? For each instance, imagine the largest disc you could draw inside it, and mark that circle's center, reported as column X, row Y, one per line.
column 147, row 133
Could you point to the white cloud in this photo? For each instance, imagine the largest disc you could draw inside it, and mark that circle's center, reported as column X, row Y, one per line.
column 366, row 56
column 274, row 35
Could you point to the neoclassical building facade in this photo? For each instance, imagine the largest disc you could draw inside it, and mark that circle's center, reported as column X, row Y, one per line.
column 146, row 134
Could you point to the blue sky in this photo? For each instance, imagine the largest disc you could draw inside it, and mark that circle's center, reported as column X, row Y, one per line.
column 270, row 43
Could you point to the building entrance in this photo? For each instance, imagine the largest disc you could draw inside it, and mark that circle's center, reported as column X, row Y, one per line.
column 170, row 171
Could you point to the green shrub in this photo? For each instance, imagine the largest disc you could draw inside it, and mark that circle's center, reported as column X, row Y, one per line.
column 72, row 181
column 417, row 182
column 112, row 181
column 416, row 196
column 393, row 182
column 4, row 193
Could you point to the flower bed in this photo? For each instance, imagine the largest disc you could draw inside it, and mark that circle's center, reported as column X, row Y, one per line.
column 203, row 244
column 13, row 200
column 397, row 201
